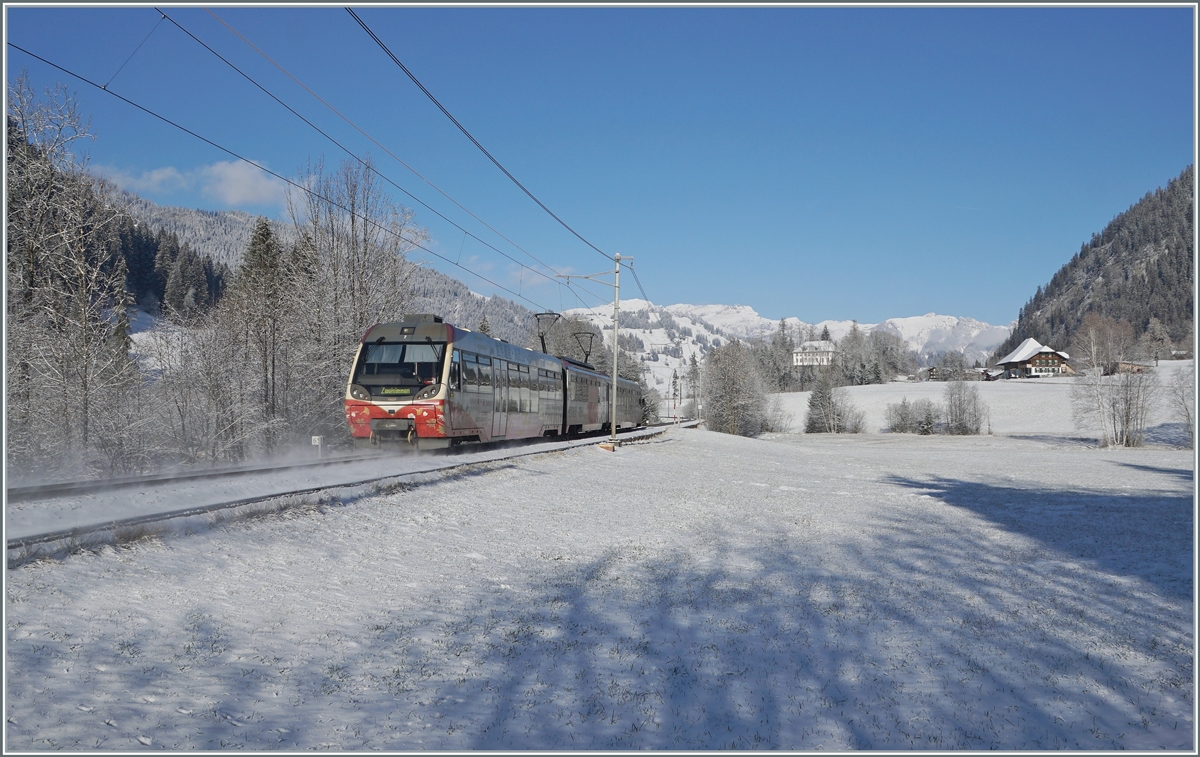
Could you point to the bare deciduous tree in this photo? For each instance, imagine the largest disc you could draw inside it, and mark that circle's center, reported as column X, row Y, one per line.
column 68, row 353
column 1106, row 394
column 1182, row 397
column 966, row 412
column 923, row 416
column 735, row 400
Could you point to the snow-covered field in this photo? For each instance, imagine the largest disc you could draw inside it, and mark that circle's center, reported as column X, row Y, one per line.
column 691, row 591
column 1034, row 408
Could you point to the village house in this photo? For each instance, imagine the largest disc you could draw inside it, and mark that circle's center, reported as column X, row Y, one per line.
column 1033, row 360
column 939, row 373
column 1132, row 366
column 814, row 353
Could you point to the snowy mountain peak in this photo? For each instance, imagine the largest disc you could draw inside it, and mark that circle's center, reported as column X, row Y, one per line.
column 672, row 334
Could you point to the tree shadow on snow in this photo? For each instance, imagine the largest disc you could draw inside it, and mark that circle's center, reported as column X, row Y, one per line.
column 921, row 646
column 1167, row 435
column 926, row 635
column 1183, row 474
column 1145, row 536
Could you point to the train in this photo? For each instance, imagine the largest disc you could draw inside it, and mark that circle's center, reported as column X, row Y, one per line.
column 426, row 383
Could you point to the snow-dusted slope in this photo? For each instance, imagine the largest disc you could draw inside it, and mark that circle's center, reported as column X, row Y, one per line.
column 931, row 334
column 674, row 332
column 739, row 321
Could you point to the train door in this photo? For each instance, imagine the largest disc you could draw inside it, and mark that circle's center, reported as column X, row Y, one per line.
column 500, row 401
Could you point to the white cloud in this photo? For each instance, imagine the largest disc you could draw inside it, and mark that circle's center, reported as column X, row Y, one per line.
column 239, row 183
column 231, row 183
column 167, row 179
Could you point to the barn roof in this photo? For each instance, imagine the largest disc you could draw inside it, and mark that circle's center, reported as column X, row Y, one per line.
column 1027, row 349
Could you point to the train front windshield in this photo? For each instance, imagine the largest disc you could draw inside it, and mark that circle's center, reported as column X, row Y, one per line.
column 398, row 371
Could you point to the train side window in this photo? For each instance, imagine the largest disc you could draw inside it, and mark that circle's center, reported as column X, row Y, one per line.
column 485, row 374
column 523, row 394
column 456, row 370
column 470, row 372
column 535, row 385
column 514, row 388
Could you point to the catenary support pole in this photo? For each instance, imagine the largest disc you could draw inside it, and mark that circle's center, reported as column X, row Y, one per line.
column 616, row 343
column 616, row 285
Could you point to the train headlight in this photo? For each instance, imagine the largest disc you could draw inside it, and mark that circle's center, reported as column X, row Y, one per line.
column 359, row 392
column 429, row 391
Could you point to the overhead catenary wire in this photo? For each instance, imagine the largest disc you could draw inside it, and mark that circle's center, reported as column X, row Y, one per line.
column 391, row 154
column 378, row 144
column 399, row 160
column 463, row 129
column 574, row 290
column 135, row 50
column 639, row 282
column 284, row 179
column 347, row 150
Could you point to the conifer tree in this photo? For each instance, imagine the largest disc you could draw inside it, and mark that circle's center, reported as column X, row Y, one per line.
column 258, row 285
column 67, row 353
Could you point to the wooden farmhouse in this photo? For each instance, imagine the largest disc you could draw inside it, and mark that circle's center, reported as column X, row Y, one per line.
column 1033, row 360
column 1131, row 366
column 938, row 373
column 814, row 353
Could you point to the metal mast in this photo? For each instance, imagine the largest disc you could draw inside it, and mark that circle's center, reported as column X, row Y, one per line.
column 616, row 285
column 612, row 425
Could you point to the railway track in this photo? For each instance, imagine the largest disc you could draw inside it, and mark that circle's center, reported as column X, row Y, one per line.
column 66, row 488
column 80, row 533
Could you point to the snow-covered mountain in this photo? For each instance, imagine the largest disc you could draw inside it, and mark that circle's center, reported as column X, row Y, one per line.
column 670, row 335
column 932, row 334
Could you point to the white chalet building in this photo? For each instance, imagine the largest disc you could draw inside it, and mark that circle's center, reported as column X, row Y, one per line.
column 814, row 353
column 1032, row 360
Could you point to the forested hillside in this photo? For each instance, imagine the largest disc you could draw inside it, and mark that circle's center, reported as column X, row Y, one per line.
column 435, row 292
column 221, row 235
column 1139, row 267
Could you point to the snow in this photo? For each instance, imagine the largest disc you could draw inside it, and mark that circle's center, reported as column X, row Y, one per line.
column 26, row 519
column 1025, row 350
column 932, row 333
column 140, row 321
column 819, row 345
column 740, row 321
column 929, row 334
column 694, row 590
column 1036, row 408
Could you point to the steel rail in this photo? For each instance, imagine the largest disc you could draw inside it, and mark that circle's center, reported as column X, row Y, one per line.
column 141, row 520
column 64, row 488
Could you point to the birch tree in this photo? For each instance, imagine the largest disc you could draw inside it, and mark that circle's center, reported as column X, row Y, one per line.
column 66, row 303
column 1104, row 397
column 347, row 271
column 1182, row 399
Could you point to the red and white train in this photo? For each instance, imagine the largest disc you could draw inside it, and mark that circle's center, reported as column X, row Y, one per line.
column 428, row 383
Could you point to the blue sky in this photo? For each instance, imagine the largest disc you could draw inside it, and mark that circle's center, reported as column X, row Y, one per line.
column 821, row 163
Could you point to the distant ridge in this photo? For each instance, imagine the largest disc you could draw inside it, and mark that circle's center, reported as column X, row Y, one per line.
column 435, row 292
column 220, row 234
column 667, row 337
column 1138, row 267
